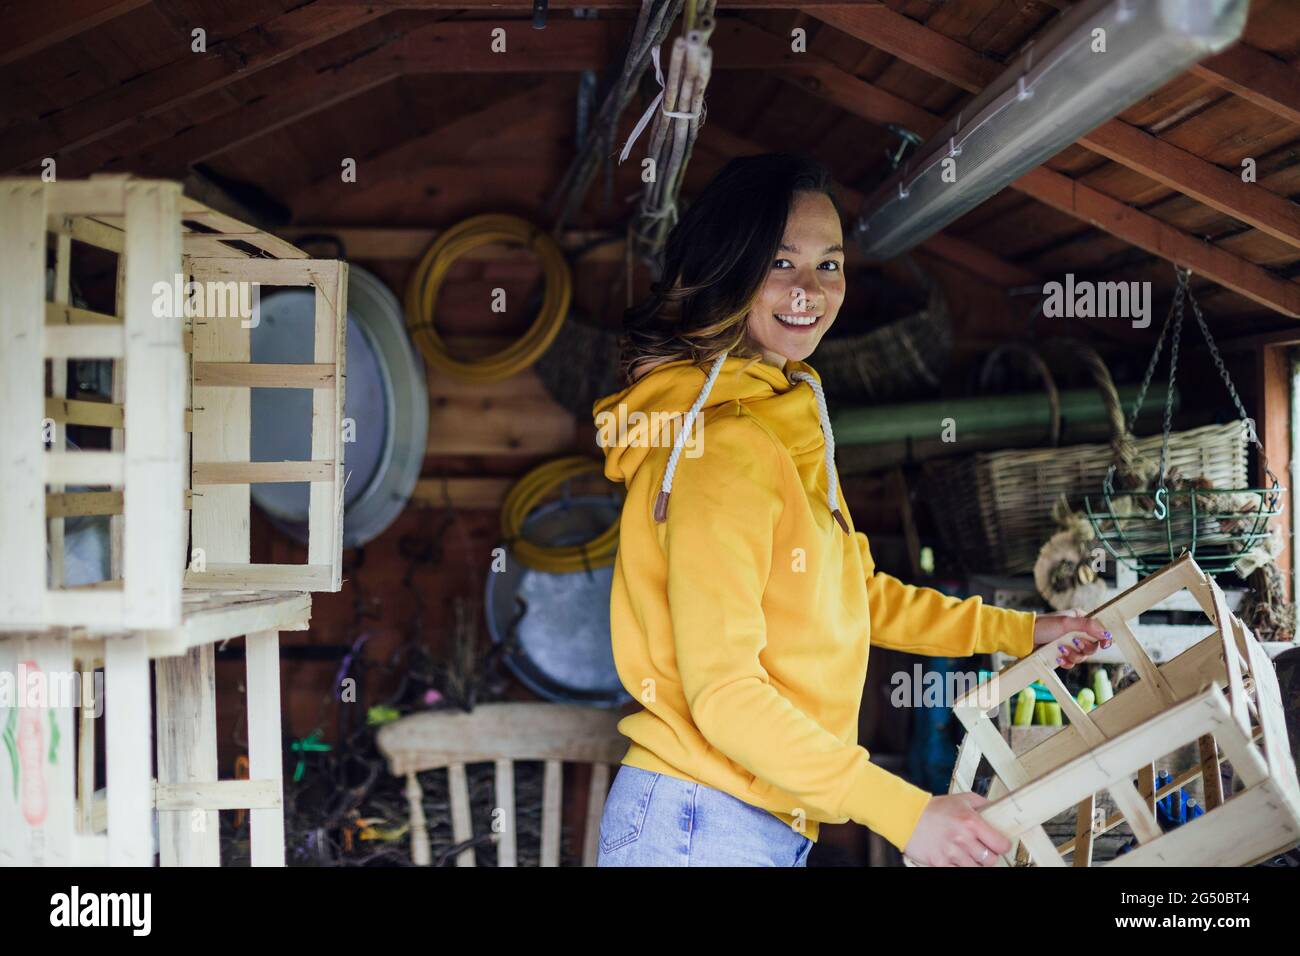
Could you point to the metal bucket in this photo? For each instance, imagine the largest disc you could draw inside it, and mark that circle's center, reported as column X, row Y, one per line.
column 556, row 626
column 385, row 398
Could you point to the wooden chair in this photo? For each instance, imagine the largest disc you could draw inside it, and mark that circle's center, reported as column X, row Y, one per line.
column 503, row 733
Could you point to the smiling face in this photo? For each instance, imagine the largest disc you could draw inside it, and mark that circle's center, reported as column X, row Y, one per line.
column 805, row 286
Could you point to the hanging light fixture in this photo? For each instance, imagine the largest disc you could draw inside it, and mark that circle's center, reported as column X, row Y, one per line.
column 1098, row 60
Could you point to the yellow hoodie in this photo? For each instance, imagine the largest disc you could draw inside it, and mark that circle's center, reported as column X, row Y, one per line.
column 742, row 621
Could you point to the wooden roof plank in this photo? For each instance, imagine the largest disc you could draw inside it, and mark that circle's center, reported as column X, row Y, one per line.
column 32, row 27
column 1148, row 233
column 193, row 75
column 1257, row 77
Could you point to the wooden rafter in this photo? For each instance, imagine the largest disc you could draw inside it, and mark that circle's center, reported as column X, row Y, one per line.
column 1257, row 77
column 1146, row 232
column 193, row 75
column 1154, row 158
column 32, row 27
column 958, row 64
column 445, row 47
column 443, row 143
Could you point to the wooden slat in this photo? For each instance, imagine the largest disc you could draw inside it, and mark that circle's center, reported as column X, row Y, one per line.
column 61, row 313
column 260, row 472
column 129, row 751
column 84, row 468
column 22, row 302
column 156, row 395
column 187, row 756
column 274, row 577
column 85, row 342
column 461, row 826
column 325, row 500
column 78, row 504
column 504, row 814
column 219, row 523
column 265, row 759
column 263, row 375
column 552, row 806
column 90, row 231
column 71, row 411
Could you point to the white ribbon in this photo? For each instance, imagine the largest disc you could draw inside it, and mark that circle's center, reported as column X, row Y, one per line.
column 650, row 110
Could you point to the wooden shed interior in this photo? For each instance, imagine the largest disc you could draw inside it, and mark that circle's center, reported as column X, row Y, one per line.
column 364, row 129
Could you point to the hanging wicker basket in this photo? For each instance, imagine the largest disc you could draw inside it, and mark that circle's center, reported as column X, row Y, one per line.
column 994, row 510
column 1186, row 512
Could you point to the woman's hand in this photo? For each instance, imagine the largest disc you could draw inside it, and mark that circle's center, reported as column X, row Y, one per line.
column 1085, row 635
column 952, row 833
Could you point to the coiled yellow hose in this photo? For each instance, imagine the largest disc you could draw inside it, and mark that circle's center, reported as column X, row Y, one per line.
column 527, row 493
column 422, row 296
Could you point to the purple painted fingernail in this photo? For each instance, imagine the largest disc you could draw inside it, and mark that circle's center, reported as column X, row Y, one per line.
column 1107, row 633
column 1078, row 643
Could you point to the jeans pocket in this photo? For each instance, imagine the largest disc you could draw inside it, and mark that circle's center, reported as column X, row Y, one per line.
column 625, row 808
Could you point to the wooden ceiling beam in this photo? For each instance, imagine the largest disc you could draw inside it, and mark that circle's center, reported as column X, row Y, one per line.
column 1149, row 233
column 191, row 75
column 32, row 27
column 1256, row 77
column 1116, row 140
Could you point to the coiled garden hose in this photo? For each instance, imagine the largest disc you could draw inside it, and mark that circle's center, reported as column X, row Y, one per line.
column 527, row 494
column 431, row 271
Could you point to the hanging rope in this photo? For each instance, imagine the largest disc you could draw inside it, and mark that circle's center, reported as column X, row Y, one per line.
column 676, row 126
column 652, row 26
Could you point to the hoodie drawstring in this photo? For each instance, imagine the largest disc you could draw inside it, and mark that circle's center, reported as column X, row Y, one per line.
column 832, row 489
column 832, row 483
column 661, row 501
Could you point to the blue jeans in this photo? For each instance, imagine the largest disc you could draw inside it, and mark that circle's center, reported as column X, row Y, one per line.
column 654, row 819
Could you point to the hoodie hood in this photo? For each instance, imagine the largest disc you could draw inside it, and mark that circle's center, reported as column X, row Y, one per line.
column 668, row 404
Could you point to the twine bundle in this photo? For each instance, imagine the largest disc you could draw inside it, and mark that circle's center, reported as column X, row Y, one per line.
column 652, row 26
column 672, row 137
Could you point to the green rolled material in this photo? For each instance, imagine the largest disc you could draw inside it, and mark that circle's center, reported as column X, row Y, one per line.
column 877, row 425
column 1087, row 700
column 1101, row 686
column 1052, row 714
column 1024, row 715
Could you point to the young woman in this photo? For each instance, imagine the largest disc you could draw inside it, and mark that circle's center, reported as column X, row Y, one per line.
column 743, row 602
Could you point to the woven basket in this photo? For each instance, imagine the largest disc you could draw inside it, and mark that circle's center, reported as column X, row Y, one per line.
column 994, row 510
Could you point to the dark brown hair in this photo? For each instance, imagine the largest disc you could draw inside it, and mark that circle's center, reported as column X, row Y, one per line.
column 716, row 261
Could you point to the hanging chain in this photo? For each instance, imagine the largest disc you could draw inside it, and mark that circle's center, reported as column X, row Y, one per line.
column 1183, row 277
column 1151, row 368
column 1173, row 369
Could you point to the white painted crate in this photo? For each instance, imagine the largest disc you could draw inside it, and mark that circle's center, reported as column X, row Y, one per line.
column 178, row 379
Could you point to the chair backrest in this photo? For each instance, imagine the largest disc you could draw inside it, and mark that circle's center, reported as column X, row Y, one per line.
column 502, row 733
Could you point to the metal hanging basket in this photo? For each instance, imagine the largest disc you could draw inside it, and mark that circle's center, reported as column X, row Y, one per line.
column 1147, row 528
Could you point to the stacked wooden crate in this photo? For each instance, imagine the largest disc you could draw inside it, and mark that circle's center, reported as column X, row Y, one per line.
column 174, row 482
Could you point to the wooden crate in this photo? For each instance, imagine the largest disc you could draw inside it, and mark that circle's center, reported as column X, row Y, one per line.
column 51, row 812
column 1220, row 695
column 180, row 412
